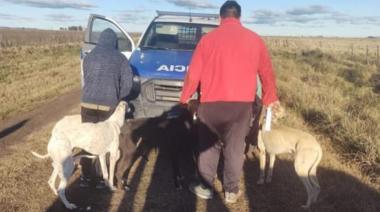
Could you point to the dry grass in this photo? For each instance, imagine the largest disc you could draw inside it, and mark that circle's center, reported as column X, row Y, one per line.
column 37, row 65
column 337, row 97
column 357, row 46
column 325, row 91
column 31, row 75
column 23, row 37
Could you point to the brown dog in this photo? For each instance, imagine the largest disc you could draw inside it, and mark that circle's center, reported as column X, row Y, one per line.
column 133, row 135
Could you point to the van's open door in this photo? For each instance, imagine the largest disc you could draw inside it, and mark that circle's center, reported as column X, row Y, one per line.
column 96, row 25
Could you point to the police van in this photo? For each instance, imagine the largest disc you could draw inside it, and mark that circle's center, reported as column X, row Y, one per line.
column 161, row 57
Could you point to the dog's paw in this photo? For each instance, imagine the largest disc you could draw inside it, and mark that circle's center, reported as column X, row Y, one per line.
column 127, row 188
column 305, row 207
column 70, row 206
column 268, row 180
column 260, row 182
column 112, row 188
column 179, row 187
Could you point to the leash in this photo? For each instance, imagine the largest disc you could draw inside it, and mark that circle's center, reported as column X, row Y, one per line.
column 268, row 119
column 265, row 119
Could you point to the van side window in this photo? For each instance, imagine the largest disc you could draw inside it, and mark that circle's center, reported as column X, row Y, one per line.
column 180, row 36
column 99, row 25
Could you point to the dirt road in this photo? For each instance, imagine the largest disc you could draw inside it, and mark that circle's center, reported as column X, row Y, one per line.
column 14, row 130
column 23, row 178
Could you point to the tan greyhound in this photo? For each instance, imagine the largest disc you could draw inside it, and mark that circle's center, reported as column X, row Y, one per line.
column 307, row 151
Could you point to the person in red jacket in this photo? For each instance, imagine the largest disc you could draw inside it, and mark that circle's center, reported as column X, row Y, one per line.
column 225, row 65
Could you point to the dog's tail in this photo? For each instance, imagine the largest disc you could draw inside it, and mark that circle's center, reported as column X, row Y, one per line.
column 40, row 156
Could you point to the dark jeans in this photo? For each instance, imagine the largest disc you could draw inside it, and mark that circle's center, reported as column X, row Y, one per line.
column 92, row 116
column 223, row 127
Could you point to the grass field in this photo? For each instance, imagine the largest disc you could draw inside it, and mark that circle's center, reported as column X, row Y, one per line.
column 35, row 37
column 335, row 94
column 31, row 75
column 37, row 65
column 325, row 89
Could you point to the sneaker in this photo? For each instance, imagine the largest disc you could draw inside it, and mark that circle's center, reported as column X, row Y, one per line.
column 201, row 191
column 84, row 182
column 231, row 197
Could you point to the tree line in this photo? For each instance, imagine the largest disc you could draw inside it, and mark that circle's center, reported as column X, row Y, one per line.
column 71, row 28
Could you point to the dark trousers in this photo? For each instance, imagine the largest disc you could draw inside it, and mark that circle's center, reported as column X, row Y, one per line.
column 223, row 127
column 92, row 116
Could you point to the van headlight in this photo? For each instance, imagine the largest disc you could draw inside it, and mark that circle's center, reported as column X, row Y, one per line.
column 136, row 79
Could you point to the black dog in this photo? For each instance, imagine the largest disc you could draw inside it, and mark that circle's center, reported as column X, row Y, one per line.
column 174, row 130
column 181, row 133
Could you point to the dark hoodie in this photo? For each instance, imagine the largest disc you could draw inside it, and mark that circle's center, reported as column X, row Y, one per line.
column 107, row 73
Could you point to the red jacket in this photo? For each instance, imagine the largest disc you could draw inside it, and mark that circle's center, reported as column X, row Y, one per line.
column 226, row 62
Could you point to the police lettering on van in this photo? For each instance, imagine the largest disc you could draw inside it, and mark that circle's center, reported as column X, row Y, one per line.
column 176, row 68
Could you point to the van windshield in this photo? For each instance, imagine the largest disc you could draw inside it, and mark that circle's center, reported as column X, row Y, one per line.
column 180, row 36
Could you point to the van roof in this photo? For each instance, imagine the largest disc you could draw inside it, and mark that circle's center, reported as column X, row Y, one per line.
column 187, row 17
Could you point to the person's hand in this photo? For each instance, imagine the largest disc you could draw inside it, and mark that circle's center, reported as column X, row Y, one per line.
column 277, row 110
column 193, row 105
column 276, row 106
column 183, row 105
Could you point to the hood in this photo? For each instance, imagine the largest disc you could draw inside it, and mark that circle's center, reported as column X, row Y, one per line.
column 108, row 39
column 160, row 64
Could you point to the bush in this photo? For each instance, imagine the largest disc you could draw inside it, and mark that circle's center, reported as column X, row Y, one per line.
column 375, row 82
column 318, row 60
column 353, row 75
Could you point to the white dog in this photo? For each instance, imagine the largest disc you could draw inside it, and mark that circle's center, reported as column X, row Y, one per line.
column 97, row 139
column 308, row 154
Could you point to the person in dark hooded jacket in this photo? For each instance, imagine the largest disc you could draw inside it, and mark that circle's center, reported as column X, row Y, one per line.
column 107, row 79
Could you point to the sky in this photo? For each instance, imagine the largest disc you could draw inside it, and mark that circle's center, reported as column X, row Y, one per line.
column 340, row 18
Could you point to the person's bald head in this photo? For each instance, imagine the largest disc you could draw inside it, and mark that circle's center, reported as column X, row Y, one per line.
column 230, row 9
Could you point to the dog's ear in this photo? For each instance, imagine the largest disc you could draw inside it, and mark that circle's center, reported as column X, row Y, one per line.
column 279, row 114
